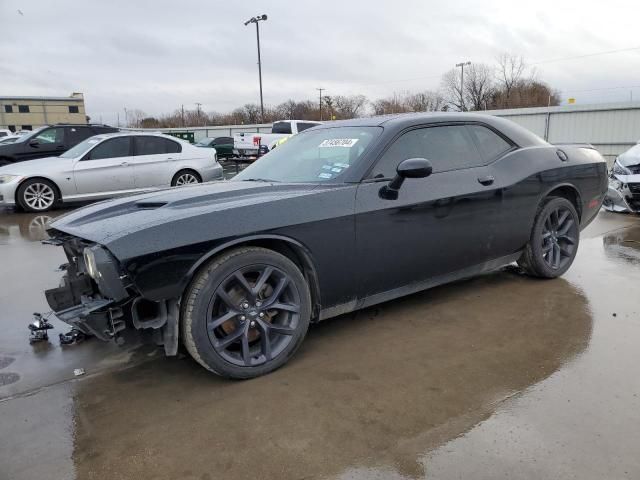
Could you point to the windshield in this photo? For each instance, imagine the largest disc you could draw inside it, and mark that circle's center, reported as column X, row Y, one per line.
column 313, row 156
column 81, row 148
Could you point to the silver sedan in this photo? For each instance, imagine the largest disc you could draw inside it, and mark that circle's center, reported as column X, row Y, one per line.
column 105, row 166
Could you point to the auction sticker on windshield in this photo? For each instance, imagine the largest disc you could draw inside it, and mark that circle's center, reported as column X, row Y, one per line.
column 338, row 142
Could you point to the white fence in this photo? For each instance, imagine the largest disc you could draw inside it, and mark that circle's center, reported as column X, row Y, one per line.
column 611, row 128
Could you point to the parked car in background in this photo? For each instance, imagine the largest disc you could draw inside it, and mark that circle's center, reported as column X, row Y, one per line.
column 105, row 166
column 223, row 145
column 338, row 218
column 5, row 132
column 624, row 183
column 248, row 144
column 9, row 139
column 49, row 141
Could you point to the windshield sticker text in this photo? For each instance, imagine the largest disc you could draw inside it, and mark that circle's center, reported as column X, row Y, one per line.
column 338, row 142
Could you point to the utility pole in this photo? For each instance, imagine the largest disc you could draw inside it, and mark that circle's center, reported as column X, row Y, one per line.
column 462, row 65
column 198, row 105
column 118, row 117
column 126, row 117
column 255, row 20
column 182, row 114
column 320, row 90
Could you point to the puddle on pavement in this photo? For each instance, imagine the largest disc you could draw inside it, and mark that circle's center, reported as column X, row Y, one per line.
column 499, row 376
column 377, row 389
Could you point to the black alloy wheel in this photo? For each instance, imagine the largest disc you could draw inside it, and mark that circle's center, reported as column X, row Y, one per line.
column 554, row 239
column 246, row 313
column 559, row 237
column 253, row 315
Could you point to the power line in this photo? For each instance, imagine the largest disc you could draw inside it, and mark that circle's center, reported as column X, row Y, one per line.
column 608, row 52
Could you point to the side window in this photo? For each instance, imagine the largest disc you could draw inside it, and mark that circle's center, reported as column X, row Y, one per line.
column 223, row 141
column 447, row 148
column 171, row 146
column 150, row 145
column 112, row 148
column 49, row 136
column 491, row 144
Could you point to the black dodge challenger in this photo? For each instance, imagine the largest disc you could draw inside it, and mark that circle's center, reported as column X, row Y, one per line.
column 340, row 217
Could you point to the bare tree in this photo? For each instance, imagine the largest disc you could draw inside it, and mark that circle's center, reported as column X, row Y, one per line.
column 452, row 90
column 348, row 106
column 511, row 71
column 478, row 86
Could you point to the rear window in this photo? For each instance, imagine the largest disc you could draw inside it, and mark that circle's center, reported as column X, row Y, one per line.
column 281, row 127
column 490, row 144
column 156, row 145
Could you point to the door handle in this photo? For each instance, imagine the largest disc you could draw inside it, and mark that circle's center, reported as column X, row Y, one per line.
column 124, row 164
column 486, row 181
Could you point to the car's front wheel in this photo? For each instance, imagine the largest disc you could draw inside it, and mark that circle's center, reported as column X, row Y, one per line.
column 554, row 239
column 246, row 313
column 185, row 177
column 37, row 195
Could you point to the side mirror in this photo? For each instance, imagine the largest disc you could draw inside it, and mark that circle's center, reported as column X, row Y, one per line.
column 34, row 143
column 409, row 168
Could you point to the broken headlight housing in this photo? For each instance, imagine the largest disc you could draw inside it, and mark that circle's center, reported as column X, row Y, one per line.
column 90, row 262
column 619, row 169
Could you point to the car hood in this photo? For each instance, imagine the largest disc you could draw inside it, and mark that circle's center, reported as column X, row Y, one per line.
column 35, row 167
column 631, row 157
column 175, row 217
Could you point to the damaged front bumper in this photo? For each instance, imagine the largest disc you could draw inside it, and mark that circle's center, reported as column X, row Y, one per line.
column 623, row 194
column 98, row 299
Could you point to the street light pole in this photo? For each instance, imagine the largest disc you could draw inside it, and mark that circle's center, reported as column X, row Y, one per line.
column 256, row 20
column 462, row 65
column 320, row 90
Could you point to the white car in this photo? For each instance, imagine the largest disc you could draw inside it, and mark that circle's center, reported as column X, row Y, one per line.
column 105, row 166
column 8, row 139
column 5, row 133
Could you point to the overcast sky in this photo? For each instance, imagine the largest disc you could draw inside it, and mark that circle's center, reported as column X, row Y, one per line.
column 156, row 55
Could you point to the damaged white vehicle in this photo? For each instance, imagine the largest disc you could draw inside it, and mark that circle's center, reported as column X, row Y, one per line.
column 623, row 194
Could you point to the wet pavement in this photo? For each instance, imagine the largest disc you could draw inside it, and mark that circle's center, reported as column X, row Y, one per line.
column 501, row 376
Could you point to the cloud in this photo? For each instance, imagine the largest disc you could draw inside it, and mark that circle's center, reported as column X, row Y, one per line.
column 157, row 55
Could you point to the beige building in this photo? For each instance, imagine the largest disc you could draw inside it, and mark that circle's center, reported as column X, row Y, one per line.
column 28, row 113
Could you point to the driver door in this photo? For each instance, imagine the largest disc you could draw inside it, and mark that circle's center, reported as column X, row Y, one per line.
column 437, row 226
column 50, row 142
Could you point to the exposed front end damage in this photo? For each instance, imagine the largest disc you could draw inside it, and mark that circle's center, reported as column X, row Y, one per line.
column 623, row 194
column 97, row 297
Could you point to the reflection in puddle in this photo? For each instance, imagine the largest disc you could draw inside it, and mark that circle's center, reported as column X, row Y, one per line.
column 366, row 393
column 27, row 226
column 623, row 245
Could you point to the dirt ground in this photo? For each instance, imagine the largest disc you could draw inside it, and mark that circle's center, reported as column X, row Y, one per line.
column 501, row 376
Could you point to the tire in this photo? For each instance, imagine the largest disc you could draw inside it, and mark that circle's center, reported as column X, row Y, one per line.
column 185, row 177
column 244, row 329
column 554, row 239
column 37, row 195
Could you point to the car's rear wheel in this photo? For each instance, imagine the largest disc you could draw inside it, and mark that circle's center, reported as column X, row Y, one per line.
column 246, row 313
column 554, row 239
column 185, row 177
column 37, row 195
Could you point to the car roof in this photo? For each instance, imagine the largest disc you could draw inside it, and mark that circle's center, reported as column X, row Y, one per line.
column 401, row 121
column 137, row 133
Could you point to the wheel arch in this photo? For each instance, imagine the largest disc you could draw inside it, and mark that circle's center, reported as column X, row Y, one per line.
column 568, row 191
column 38, row 177
column 289, row 247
